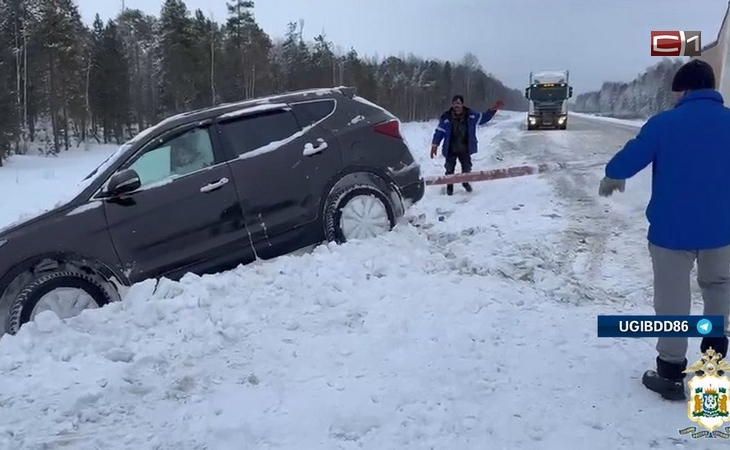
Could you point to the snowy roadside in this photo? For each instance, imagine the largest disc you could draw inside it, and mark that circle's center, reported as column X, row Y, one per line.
column 632, row 123
column 32, row 184
column 440, row 335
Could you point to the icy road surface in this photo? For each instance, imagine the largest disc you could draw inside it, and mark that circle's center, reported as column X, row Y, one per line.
column 474, row 329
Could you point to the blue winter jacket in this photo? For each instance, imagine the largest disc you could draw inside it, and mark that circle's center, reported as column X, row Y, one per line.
column 443, row 129
column 689, row 149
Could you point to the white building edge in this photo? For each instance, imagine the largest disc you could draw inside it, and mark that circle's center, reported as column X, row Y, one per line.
column 717, row 54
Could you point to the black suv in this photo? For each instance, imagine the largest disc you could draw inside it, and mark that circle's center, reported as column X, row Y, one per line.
column 207, row 190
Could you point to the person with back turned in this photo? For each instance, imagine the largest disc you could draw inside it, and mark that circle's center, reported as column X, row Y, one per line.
column 457, row 128
column 689, row 212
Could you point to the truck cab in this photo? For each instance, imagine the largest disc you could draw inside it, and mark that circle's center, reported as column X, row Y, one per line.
column 548, row 95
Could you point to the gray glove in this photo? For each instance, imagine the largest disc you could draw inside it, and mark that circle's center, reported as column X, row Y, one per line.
column 609, row 186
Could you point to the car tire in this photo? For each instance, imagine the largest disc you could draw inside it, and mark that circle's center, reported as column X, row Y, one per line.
column 342, row 198
column 28, row 297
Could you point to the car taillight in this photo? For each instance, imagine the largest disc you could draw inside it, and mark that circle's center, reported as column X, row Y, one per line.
column 390, row 128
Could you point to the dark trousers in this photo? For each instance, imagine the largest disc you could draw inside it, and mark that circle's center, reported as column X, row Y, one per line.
column 463, row 158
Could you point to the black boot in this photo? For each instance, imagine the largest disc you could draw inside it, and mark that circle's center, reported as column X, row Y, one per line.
column 449, row 189
column 719, row 344
column 467, row 186
column 667, row 380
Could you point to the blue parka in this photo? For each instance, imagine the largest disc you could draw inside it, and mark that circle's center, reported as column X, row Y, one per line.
column 474, row 119
column 688, row 147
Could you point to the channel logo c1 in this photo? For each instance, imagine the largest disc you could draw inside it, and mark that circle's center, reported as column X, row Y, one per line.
column 676, row 43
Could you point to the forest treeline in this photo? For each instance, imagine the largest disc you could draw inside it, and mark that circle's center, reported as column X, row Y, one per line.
column 63, row 82
column 646, row 95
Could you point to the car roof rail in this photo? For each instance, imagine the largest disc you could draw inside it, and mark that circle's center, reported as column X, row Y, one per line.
column 348, row 91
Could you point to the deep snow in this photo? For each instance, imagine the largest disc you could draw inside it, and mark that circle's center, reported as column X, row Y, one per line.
column 472, row 328
column 31, row 183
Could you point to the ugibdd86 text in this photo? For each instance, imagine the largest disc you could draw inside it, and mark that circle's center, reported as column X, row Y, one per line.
column 653, row 326
column 660, row 326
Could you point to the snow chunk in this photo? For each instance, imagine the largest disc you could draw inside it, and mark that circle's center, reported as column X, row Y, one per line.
column 320, row 92
column 160, row 183
column 271, row 146
column 255, row 109
column 356, row 120
column 310, row 149
column 48, row 322
column 83, row 208
column 404, row 169
column 119, row 354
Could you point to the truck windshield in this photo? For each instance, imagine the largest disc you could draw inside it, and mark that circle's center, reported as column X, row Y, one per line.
column 548, row 94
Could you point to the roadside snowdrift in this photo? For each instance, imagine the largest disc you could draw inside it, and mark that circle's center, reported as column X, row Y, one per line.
column 444, row 334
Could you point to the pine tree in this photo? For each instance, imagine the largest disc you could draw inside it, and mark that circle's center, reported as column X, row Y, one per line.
column 9, row 84
column 205, row 41
column 95, row 77
column 115, row 69
column 138, row 33
column 176, row 52
column 60, row 56
column 247, row 49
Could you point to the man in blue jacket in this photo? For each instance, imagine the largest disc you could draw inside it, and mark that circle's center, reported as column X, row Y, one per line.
column 689, row 211
column 457, row 128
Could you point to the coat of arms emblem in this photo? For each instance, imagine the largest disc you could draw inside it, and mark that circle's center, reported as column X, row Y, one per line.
column 709, row 391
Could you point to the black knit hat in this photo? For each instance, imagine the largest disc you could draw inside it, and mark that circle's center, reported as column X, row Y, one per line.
column 694, row 75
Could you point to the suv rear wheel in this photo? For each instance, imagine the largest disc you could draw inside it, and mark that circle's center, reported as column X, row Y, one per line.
column 358, row 212
column 66, row 293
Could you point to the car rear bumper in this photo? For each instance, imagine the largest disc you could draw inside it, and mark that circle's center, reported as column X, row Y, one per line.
column 410, row 182
column 414, row 192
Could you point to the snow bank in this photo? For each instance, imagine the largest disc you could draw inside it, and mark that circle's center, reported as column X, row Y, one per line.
column 441, row 334
column 630, row 123
column 393, row 348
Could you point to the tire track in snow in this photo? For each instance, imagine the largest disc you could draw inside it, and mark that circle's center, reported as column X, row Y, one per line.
column 569, row 262
column 584, row 245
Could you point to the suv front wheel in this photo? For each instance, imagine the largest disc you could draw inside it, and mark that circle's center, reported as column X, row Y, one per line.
column 66, row 293
column 358, row 212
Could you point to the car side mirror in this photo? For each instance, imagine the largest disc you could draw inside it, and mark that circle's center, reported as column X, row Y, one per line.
column 122, row 182
column 570, row 92
column 527, row 93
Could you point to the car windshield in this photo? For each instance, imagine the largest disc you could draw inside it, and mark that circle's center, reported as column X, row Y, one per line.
column 548, row 94
column 109, row 159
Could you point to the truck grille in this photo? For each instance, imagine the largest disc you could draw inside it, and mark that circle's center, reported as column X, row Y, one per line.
column 548, row 109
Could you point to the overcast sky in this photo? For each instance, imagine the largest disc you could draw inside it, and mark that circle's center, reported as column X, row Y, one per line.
column 597, row 40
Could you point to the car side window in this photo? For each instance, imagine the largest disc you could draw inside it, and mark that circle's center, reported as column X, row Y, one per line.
column 246, row 134
column 313, row 111
column 180, row 155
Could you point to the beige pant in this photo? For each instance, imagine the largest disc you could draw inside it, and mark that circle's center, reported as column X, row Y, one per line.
column 672, row 294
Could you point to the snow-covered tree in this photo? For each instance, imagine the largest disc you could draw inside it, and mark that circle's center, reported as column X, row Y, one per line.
column 649, row 93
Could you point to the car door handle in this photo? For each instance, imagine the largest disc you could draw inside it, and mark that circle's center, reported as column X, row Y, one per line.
column 213, row 186
column 311, row 150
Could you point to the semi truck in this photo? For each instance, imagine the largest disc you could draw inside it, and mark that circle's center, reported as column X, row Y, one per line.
column 547, row 96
